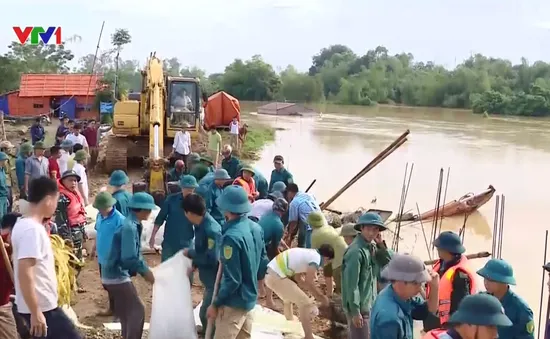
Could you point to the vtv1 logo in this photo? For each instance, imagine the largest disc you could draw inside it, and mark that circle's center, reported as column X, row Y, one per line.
column 37, row 34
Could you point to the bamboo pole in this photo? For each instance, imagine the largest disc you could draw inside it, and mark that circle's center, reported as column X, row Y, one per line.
column 210, row 325
column 478, row 255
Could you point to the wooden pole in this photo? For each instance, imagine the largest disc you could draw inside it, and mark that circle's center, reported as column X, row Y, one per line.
column 210, row 325
column 2, row 126
column 6, row 258
column 478, row 255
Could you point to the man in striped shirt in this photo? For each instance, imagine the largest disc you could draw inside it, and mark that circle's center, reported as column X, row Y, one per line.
column 301, row 205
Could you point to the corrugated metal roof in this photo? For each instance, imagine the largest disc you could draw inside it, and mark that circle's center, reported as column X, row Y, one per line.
column 277, row 105
column 42, row 85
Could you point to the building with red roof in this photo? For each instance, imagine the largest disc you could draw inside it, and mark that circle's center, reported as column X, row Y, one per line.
column 72, row 94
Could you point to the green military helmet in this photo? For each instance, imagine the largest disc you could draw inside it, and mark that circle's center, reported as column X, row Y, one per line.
column 247, row 168
column 348, row 230
column 207, row 159
column 80, row 155
column 118, row 178
column 25, row 148
column 316, row 219
column 39, row 145
column 142, row 201
column 234, row 200
column 193, row 158
column 499, row 271
column 480, row 310
column 221, row 174
column 450, row 242
column 104, row 200
column 278, row 186
column 370, row 219
column 188, row 181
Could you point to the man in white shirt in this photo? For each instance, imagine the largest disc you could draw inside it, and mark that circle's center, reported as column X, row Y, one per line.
column 262, row 206
column 234, row 133
column 286, row 272
column 34, row 266
column 81, row 158
column 182, row 144
column 66, row 150
column 77, row 138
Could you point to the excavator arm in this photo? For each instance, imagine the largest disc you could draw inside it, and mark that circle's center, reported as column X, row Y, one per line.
column 156, row 89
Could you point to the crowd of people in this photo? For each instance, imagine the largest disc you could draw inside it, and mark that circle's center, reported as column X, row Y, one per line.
column 268, row 237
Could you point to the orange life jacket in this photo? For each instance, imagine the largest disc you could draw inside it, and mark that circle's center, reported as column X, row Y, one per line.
column 249, row 186
column 446, row 286
column 75, row 211
column 434, row 334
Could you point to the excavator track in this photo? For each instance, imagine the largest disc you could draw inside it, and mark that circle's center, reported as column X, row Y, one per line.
column 116, row 154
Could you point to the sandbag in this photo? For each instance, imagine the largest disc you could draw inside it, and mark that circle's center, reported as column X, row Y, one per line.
column 172, row 310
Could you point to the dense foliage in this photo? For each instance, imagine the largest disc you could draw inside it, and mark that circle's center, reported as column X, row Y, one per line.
column 336, row 75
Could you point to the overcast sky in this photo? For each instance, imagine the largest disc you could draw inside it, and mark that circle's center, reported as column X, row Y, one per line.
column 211, row 33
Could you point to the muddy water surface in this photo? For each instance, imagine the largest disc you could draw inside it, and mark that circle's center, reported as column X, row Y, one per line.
column 511, row 154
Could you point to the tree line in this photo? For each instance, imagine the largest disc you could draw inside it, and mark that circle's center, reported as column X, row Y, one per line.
column 337, row 75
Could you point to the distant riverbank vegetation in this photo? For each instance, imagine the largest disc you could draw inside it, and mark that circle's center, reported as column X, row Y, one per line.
column 337, row 75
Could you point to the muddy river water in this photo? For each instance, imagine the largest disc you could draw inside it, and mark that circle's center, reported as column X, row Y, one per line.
column 511, row 154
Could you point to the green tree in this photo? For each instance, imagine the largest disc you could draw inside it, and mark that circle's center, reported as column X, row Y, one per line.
column 119, row 39
column 253, row 79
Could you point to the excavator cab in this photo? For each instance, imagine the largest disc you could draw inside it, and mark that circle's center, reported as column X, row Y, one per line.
column 182, row 104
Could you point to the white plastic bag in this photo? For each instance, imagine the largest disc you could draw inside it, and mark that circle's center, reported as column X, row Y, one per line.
column 172, row 309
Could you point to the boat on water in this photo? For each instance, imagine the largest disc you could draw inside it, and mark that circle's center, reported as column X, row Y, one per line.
column 464, row 205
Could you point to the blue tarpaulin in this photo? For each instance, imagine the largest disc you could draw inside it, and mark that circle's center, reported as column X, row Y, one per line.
column 105, row 107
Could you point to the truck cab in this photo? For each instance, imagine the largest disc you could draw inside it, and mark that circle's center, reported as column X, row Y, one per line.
column 182, row 103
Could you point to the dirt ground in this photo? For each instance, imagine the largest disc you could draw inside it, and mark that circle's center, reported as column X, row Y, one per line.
column 88, row 304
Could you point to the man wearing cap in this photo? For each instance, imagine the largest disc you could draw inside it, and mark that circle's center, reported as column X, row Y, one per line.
column 361, row 265
column 178, row 230
column 478, row 316
column 238, row 292
column 280, row 173
column 297, row 267
column 301, row 205
column 205, row 254
column 4, row 189
column 118, row 180
column 36, row 165
column 398, row 304
column 457, row 278
column 230, row 163
column 81, row 159
column 322, row 233
column 348, row 232
column 214, row 191
column 66, row 151
column 25, row 151
column 246, row 181
column 178, row 170
column 70, row 215
column 498, row 275
column 108, row 221
column 199, row 169
column 124, row 261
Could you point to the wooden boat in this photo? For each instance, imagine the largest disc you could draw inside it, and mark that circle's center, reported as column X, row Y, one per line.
column 464, row 205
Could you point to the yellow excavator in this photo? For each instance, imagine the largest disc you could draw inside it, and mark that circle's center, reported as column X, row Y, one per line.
column 165, row 106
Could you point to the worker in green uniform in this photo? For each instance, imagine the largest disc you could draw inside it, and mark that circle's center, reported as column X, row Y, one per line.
column 392, row 314
column 118, row 180
column 280, row 173
column 178, row 230
column 237, row 295
column 214, row 191
column 259, row 243
column 201, row 168
column 360, row 266
column 3, row 185
column 230, row 162
column 25, row 151
column 479, row 316
column 498, row 275
column 208, row 162
column 262, row 185
column 205, row 254
column 324, row 234
column 192, row 160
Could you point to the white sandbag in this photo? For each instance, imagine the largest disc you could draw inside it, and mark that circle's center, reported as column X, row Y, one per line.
column 148, row 225
column 172, row 309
